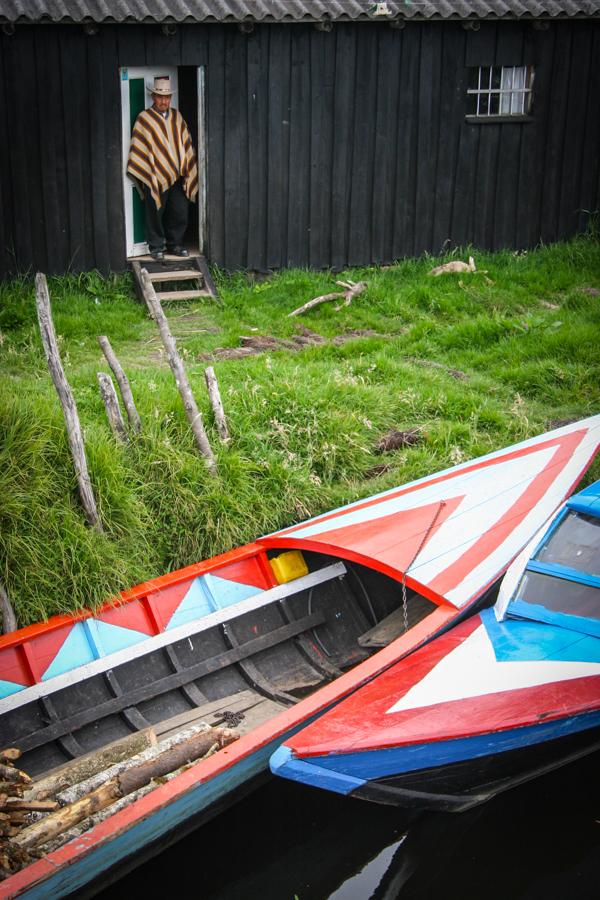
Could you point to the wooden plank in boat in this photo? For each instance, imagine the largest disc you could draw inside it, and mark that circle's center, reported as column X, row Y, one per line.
column 392, row 626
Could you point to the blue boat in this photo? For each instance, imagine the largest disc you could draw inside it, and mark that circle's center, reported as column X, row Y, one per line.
column 505, row 696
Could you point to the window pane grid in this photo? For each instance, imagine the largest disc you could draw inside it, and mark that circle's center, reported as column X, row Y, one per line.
column 501, row 91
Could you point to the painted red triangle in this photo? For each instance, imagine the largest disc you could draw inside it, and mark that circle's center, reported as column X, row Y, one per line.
column 394, row 539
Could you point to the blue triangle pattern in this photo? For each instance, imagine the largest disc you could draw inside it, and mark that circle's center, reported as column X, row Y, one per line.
column 9, row 687
column 194, row 605
column 110, row 638
column 225, row 592
column 75, row 651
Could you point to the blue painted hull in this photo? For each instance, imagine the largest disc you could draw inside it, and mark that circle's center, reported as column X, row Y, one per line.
column 447, row 775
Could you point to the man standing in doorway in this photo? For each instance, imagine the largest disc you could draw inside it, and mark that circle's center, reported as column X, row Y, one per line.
column 163, row 163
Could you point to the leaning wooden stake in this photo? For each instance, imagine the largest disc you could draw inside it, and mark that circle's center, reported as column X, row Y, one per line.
column 123, row 382
column 215, row 398
column 111, row 405
column 191, row 409
column 67, row 401
column 352, row 289
column 9, row 620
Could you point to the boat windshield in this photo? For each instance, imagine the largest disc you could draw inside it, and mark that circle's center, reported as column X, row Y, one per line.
column 561, row 584
column 574, row 543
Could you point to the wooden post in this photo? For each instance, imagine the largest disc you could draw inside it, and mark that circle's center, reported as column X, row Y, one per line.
column 215, row 398
column 67, row 401
column 9, row 620
column 111, row 405
column 192, row 412
column 123, row 382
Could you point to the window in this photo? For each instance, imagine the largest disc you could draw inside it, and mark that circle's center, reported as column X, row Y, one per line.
column 499, row 91
column 575, row 543
column 559, row 595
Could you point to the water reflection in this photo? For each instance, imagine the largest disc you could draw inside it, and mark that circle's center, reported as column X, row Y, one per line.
column 286, row 842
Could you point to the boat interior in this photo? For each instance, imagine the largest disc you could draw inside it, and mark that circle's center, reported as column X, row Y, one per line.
column 238, row 667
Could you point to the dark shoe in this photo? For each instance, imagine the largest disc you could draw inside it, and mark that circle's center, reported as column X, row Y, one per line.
column 178, row 251
column 158, row 255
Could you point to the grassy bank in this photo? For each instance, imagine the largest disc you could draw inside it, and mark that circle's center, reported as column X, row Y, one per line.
column 475, row 362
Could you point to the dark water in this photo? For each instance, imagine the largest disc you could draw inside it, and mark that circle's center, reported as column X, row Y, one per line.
column 285, row 842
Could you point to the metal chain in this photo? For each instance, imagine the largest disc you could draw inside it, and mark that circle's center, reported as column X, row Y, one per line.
column 430, row 528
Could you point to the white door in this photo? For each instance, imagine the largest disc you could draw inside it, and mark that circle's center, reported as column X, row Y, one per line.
column 134, row 98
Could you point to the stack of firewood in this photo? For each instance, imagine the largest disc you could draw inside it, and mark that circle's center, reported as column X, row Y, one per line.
column 15, row 812
column 36, row 817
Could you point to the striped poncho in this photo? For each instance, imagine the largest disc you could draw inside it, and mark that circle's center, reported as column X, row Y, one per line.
column 161, row 152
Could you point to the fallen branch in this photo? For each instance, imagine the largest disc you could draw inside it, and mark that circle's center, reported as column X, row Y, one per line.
column 123, row 382
column 352, row 290
column 455, row 266
column 67, row 401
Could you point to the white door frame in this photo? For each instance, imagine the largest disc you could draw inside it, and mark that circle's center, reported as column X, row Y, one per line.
column 202, row 164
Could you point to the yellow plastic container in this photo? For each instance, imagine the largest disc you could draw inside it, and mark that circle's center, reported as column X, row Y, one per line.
column 288, row 566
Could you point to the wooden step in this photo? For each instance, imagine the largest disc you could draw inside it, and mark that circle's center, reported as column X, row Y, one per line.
column 182, row 295
column 181, row 275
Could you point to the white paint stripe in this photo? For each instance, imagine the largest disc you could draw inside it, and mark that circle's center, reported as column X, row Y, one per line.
column 472, row 670
column 188, row 630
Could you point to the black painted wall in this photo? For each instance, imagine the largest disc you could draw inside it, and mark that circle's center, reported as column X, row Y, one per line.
column 324, row 149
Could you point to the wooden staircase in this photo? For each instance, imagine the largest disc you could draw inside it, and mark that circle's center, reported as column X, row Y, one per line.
column 176, row 279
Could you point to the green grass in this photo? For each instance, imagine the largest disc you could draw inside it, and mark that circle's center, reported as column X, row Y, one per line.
column 304, row 425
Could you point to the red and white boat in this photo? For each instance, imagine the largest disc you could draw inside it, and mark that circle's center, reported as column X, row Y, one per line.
column 505, row 696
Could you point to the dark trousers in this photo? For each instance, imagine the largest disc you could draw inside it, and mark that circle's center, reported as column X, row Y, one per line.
column 166, row 226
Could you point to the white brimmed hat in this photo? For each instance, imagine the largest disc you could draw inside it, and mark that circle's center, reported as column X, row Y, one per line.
column 161, row 86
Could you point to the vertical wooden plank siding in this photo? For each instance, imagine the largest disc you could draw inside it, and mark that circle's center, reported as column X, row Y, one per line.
column 556, row 136
column 589, row 196
column 343, row 125
column 236, row 150
column 406, row 148
column 258, row 163
column 298, row 212
column 363, row 139
column 452, row 90
column 324, row 149
column 278, row 145
column 322, row 73
column 509, row 52
column 215, row 116
column 577, row 107
column 385, row 139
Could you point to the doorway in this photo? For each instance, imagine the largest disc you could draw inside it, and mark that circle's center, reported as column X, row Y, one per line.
column 188, row 96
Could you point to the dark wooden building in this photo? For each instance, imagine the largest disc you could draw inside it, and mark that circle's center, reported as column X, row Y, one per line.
column 330, row 132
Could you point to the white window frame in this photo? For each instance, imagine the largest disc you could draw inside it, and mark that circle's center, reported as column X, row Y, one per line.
column 514, row 93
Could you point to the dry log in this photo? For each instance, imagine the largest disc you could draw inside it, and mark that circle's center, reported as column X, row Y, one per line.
column 30, row 805
column 10, row 754
column 85, row 787
column 87, row 766
column 123, row 382
column 215, row 399
column 67, row 401
column 121, row 785
column 9, row 620
column 11, row 774
column 111, row 405
column 351, row 290
column 192, row 412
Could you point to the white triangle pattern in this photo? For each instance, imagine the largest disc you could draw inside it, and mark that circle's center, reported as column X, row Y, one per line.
column 472, row 670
